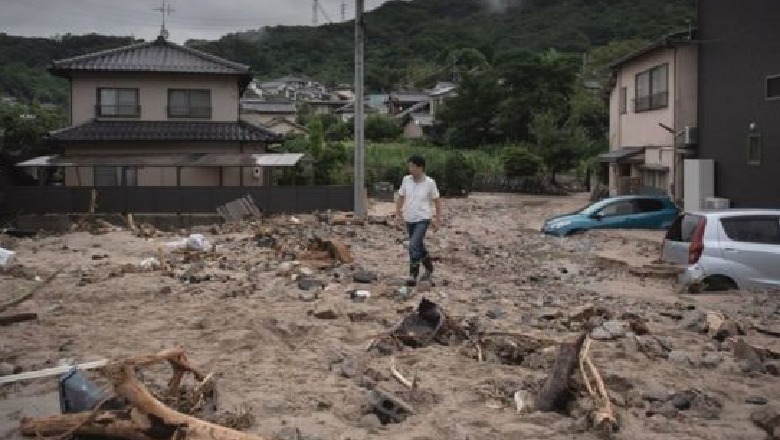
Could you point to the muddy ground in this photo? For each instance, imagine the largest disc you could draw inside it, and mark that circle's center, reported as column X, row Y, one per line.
column 243, row 316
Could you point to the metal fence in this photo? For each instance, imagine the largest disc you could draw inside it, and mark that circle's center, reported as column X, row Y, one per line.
column 166, row 199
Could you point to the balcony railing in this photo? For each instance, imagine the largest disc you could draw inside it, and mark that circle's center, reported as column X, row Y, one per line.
column 117, row 111
column 189, row 112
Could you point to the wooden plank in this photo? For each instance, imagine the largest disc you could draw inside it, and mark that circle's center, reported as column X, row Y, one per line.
column 51, row 371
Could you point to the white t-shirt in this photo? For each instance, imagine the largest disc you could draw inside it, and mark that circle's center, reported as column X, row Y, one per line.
column 418, row 198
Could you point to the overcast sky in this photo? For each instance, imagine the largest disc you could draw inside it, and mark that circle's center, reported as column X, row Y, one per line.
column 206, row 19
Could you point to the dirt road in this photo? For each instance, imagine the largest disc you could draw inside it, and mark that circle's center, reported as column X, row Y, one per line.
column 243, row 316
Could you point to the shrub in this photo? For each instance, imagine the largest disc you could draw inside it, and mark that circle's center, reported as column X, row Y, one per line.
column 458, row 174
column 520, row 162
column 381, row 128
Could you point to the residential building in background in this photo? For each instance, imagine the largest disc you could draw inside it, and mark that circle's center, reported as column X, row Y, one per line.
column 653, row 116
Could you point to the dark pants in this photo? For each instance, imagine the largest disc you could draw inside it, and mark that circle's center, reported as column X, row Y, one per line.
column 417, row 252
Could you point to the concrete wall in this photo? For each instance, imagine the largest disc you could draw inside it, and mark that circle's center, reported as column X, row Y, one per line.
column 686, row 98
column 153, row 94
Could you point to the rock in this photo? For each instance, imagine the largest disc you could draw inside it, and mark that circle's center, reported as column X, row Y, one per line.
column 6, row 369
column 695, row 320
column 364, row 277
column 166, row 290
column 772, row 368
column 728, row 329
column 325, row 311
column 768, row 419
column 370, row 421
column 680, row 357
column 308, row 296
column 617, row 329
column 756, row 400
column 711, row 360
column 495, row 313
column 707, row 407
column 638, row 327
column 601, row 334
column 310, row 284
column 683, row 400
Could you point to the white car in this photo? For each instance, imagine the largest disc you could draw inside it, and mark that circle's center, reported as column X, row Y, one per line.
column 727, row 249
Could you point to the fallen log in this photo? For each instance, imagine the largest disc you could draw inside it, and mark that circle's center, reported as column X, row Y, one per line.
column 555, row 392
column 19, row 317
column 147, row 418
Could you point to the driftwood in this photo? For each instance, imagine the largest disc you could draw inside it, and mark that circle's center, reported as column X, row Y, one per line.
column 19, row 317
column 555, row 392
column 29, row 294
column 146, row 418
column 604, row 416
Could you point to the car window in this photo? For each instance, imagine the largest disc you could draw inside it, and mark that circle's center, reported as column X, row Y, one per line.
column 619, row 208
column 649, row 205
column 755, row 229
column 682, row 228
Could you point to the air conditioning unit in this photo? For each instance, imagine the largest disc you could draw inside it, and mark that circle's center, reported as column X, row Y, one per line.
column 691, row 135
column 716, row 203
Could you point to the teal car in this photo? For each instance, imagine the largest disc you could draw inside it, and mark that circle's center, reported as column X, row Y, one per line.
column 624, row 212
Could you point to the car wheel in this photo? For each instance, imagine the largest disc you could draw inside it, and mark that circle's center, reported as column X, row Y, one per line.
column 718, row 283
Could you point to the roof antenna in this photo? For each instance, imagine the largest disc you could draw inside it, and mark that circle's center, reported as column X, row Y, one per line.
column 165, row 7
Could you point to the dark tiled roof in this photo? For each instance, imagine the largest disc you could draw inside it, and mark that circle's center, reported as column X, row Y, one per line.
column 256, row 106
column 164, row 131
column 155, row 56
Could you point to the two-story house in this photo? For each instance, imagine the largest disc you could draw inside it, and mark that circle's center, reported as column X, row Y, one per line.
column 652, row 116
column 739, row 101
column 157, row 114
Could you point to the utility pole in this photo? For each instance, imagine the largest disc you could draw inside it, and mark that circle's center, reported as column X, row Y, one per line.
column 315, row 6
column 360, row 147
column 343, row 10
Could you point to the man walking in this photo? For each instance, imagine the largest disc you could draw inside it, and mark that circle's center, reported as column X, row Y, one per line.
column 417, row 196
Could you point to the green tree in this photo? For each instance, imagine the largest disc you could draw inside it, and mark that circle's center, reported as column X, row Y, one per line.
column 559, row 145
column 316, row 138
column 519, row 161
column 458, row 174
column 24, row 128
column 469, row 119
column 382, row 128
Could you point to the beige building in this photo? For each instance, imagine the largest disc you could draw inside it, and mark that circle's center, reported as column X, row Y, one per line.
column 158, row 114
column 653, row 116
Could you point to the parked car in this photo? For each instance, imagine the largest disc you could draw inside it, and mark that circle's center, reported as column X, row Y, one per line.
column 728, row 249
column 624, row 212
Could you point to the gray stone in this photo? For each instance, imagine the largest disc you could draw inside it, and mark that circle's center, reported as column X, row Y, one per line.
column 707, row 407
column 370, row 421
column 680, row 357
column 756, row 400
column 308, row 296
column 615, row 328
column 682, row 400
column 364, row 277
column 310, row 284
column 600, row 334
column 727, row 330
column 495, row 313
column 711, row 360
column 695, row 320
column 772, row 368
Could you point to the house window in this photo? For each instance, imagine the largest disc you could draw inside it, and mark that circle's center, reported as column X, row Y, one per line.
column 754, row 149
column 116, row 176
column 652, row 89
column 623, row 100
column 773, row 87
column 118, row 103
column 189, row 103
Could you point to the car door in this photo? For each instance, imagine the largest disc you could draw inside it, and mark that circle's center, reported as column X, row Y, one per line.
column 620, row 214
column 651, row 213
column 753, row 242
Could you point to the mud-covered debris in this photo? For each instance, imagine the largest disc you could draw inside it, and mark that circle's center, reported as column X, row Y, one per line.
column 768, row 419
column 388, row 407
